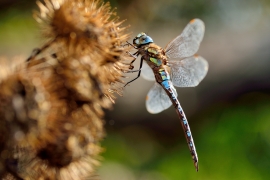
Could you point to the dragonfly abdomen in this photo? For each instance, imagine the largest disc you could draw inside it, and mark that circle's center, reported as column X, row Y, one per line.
column 168, row 87
column 187, row 131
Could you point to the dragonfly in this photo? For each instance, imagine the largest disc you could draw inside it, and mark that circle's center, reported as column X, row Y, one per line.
column 175, row 65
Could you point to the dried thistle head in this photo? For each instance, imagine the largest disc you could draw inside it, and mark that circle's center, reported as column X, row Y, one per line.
column 67, row 83
column 46, row 131
column 20, row 110
column 88, row 32
column 69, row 152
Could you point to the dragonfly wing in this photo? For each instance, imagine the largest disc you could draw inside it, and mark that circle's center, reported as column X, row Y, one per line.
column 147, row 72
column 188, row 72
column 157, row 100
column 187, row 43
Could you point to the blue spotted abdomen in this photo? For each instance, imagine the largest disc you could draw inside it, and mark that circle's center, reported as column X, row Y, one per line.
column 165, row 78
column 171, row 92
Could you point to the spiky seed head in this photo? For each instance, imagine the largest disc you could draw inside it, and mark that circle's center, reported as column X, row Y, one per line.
column 71, row 78
column 88, row 34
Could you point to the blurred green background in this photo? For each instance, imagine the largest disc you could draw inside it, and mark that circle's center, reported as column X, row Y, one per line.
column 229, row 112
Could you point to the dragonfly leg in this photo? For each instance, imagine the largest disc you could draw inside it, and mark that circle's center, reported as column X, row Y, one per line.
column 129, row 44
column 135, row 56
column 133, row 71
column 136, row 71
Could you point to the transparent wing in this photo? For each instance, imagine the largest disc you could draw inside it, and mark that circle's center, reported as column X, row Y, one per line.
column 188, row 72
column 147, row 72
column 187, row 43
column 157, row 100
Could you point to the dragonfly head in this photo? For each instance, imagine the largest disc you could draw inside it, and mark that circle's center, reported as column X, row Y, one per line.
column 142, row 39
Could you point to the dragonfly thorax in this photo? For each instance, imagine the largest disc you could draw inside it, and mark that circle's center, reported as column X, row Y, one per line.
column 142, row 39
column 155, row 55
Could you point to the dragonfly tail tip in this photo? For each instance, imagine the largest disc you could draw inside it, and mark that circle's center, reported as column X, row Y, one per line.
column 196, row 166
